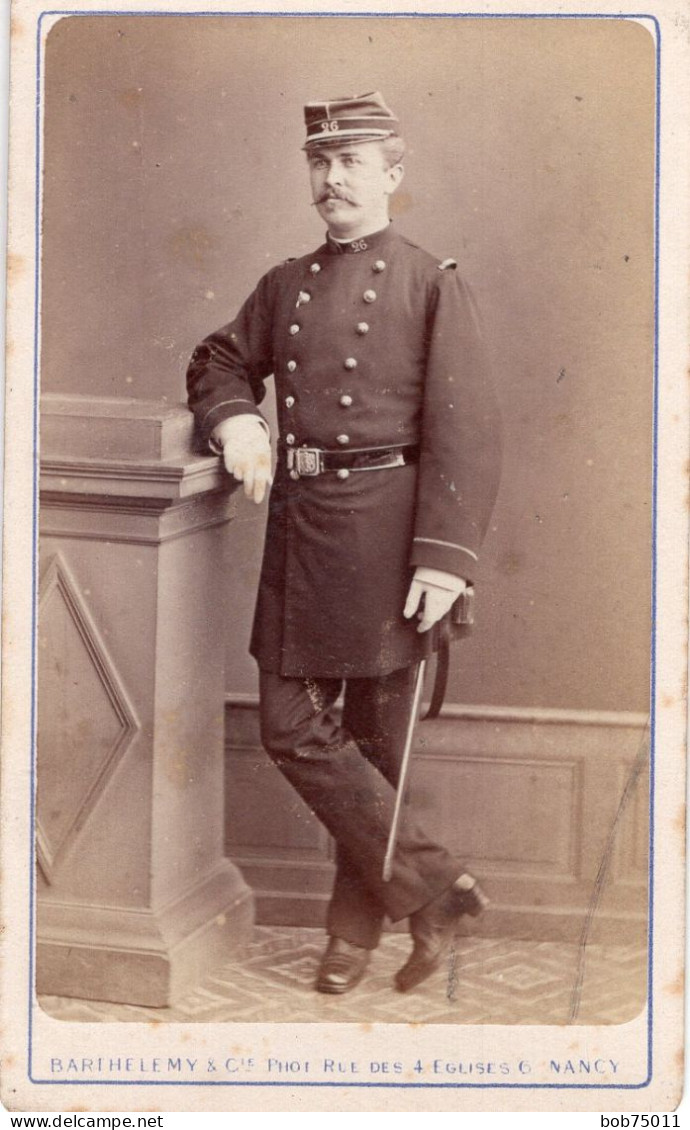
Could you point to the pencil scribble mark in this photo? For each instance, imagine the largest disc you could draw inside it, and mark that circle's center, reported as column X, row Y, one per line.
column 452, row 976
column 636, row 770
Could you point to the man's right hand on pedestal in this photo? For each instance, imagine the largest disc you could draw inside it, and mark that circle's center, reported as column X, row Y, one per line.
column 246, row 451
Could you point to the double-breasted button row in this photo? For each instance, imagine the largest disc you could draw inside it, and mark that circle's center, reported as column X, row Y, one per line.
column 350, row 363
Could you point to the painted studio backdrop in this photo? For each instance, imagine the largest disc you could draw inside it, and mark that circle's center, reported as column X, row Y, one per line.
column 174, row 178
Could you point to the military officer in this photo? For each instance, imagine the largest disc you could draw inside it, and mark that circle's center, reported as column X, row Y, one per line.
column 387, row 470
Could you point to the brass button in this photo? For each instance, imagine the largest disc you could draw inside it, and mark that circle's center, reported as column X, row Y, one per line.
column 303, row 297
column 291, row 366
column 343, row 473
column 294, row 329
column 346, row 401
column 294, row 474
column 369, row 296
column 289, row 401
column 290, row 438
column 315, row 268
column 343, row 440
column 379, row 266
column 362, row 328
column 350, row 363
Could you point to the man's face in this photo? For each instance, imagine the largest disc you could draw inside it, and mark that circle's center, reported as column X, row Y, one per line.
column 350, row 186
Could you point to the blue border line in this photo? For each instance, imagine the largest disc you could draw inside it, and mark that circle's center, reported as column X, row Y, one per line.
column 375, row 15
column 34, row 551
column 652, row 749
column 655, row 485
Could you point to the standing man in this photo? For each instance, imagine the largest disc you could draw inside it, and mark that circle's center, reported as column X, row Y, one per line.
column 387, row 471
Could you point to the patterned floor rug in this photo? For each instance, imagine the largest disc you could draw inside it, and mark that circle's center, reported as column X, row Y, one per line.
column 486, row 981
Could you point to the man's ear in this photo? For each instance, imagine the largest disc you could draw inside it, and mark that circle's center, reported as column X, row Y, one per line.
column 395, row 175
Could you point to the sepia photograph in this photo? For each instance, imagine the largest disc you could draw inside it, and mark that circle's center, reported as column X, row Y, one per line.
column 345, row 528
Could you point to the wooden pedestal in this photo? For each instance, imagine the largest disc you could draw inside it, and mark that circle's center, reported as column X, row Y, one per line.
column 135, row 897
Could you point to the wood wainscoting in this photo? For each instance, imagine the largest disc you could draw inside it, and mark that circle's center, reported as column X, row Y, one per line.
column 548, row 807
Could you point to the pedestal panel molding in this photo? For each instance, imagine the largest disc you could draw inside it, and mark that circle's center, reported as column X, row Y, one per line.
column 58, row 582
column 134, row 522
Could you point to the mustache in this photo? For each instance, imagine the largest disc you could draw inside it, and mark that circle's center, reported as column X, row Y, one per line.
column 332, row 194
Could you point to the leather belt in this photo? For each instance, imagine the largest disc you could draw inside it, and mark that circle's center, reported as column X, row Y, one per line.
column 307, row 462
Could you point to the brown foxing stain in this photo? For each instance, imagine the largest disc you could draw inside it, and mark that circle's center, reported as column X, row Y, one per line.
column 667, row 699
column 16, row 264
column 191, row 245
column 563, row 421
column 153, row 1023
column 365, row 1027
column 680, row 1057
column 177, row 769
column 511, row 563
column 131, row 98
column 16, row 28
column 675, row 987
column 679, row 820
column 400, row 203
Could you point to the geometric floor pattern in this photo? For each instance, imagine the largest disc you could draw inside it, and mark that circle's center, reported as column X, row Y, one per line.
column 486, row 981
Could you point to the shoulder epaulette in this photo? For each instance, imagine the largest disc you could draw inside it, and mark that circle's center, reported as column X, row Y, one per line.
column 448, row 264
column 292, row 259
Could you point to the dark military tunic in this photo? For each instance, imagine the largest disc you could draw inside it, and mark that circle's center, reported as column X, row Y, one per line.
column 373, row 344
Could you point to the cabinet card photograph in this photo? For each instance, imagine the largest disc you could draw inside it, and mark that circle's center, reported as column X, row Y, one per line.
column 345, row 559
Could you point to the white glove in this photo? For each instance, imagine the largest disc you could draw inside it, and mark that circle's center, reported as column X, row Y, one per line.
column 439, row 590
column 246, row 452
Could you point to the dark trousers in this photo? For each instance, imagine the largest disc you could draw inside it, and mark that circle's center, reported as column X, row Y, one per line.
column 346, row 771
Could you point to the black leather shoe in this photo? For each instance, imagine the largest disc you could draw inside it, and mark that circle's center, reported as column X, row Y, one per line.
column 433, row 929
column 342, row 966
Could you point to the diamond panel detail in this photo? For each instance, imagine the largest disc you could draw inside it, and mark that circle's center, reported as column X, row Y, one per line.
column 85, row 718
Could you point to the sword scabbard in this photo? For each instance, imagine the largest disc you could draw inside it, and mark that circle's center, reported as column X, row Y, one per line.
column 404, row 771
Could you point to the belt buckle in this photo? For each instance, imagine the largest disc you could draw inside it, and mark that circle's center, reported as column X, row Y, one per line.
column 305, row 461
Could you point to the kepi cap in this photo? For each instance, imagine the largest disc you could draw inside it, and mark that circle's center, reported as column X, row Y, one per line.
column 364, row 118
